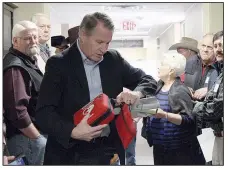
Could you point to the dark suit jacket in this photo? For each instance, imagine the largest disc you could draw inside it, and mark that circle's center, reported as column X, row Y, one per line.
column 64, row 91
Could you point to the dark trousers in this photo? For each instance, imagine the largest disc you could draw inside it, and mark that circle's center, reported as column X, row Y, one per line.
column 189, row 154
column 98, row 153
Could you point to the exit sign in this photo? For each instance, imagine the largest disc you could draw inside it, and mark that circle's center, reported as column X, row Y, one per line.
column 128, row 25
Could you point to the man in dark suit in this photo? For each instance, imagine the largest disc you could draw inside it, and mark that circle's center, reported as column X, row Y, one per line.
column 72, row 79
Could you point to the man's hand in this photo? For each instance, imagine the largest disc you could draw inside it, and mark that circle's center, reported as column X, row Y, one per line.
column 200, row 93
column 128, row 96
column 83, row 131
column 6, row 159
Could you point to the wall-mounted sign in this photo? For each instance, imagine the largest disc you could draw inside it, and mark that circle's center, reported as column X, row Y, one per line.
column 128, row 25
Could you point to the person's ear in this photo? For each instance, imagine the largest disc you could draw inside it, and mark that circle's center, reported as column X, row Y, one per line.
column 82, row 35
column 172, row 72
column 15, row 41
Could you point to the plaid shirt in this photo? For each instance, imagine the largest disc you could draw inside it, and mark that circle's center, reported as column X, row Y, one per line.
column 45, row 52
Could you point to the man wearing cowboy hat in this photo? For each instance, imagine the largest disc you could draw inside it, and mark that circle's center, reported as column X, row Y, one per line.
column 193, row 70
column 72, row 35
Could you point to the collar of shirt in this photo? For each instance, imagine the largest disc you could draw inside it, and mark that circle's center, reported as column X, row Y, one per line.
column 85, row 59
column 45, row 47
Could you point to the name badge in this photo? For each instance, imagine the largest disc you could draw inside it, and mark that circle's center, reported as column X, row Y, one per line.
column 216, row 88
column 207, row 80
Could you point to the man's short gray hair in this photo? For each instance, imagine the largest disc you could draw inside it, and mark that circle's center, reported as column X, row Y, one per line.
column 90, row 21
column 22, row 26
column 176, row 61
column 37, row 16
column 208, row 35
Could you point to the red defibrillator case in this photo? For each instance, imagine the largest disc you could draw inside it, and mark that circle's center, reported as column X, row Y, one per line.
column 100, row 110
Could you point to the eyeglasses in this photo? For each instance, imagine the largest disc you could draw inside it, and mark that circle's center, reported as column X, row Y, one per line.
column 30, row 38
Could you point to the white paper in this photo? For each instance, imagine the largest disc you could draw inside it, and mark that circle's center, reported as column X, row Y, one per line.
column 206, row 140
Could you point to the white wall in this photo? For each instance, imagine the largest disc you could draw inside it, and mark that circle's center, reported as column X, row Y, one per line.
column 132, row 54
column 148, row 52
column 150, row 44
column 166, row 40
column 192, row 27
column 194, row 22
column 26, row 10
column 212, row 17
column 150, row 67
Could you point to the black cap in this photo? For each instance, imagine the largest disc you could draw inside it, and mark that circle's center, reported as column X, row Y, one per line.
column 58, row 41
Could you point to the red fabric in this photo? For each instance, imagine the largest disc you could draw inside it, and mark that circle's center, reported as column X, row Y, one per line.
column 182, row 77
column 203, row 70
column 125, row 126
column 16, row 96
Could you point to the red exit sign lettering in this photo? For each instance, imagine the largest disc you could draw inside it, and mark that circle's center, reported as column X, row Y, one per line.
column 129, row 25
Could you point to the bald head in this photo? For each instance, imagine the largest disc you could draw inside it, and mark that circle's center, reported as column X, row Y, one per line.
column 206, row 49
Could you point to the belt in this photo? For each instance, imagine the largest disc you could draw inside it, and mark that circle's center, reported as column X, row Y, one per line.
column 218, row 134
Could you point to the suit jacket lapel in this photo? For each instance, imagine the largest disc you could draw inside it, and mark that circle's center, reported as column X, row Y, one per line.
column 107, row 79
column 104, row 78
column 78, row 70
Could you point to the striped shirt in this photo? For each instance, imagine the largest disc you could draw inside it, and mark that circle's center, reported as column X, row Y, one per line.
column 165, row 133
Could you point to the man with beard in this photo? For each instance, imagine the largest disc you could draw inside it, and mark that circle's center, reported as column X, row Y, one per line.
column 211, row 110
column 218, row 50
column 21, row 84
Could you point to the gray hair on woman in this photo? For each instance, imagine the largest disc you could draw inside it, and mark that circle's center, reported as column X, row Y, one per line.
column 176, row 61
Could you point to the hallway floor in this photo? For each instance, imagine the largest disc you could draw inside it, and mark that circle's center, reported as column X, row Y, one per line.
column 144, row 153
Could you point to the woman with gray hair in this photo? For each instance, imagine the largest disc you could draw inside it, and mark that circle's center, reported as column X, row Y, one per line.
column 172, row 130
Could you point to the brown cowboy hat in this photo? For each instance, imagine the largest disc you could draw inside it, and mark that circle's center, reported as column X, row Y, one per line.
column 186, row 42
column 72, row 34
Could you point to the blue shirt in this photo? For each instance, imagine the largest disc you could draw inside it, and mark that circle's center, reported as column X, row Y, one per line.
column 93, row 75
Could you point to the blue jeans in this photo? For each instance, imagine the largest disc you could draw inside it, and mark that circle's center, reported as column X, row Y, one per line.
column 33, row 149
column 130, row 153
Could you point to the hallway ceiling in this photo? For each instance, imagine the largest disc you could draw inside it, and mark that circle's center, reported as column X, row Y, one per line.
column 149, row 19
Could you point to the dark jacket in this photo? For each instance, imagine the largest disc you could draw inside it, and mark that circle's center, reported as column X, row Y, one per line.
column 209, row 77
column 16, row 59
column 219, row 66
column 180, row 101
column 193, row 72
column 211, row 110
column 64, row 91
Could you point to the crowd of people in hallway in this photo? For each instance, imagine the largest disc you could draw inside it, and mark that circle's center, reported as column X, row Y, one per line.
column 41, row 93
